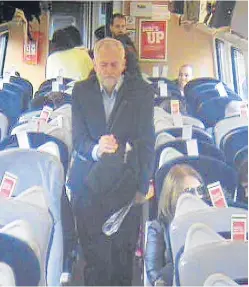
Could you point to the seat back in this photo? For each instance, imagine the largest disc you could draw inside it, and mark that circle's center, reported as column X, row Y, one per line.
column 197, row 83
column 25, row 84
column 19, row 255
column 35, row 140
column 10, row 105
column 197, row 133
column 218, row 219
column 212, row 111
column 46, row 174
column 234, row 141
column 40, row 222
column 206, row 252
column 226, row 125
column 219, row 279
column 59, row 127
column 164, row 120
column 168, row 154
column 181, row 146
column 163, row 138
column 46, row 87
column 4, row 124
column 26, row 96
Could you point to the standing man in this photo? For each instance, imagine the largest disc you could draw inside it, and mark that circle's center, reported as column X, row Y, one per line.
column 119, row 32
column 110, row 112
column 118, row 25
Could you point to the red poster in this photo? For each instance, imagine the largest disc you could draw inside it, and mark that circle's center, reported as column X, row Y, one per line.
column 152, row 40
column 31, row 49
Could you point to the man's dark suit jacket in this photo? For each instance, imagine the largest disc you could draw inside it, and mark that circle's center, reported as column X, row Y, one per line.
column 130, row 121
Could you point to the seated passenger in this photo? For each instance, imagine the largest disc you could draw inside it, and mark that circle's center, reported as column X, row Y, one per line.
column 53, row 99
column 185, row 75
column 159, row 265
column 68, row 56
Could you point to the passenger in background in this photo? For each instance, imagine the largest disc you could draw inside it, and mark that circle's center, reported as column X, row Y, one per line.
column 68, row 56
column 158, row 259
column 185, row 75
column 118, row 25
column 132, row 65
column 52, row 99
column 119, row 32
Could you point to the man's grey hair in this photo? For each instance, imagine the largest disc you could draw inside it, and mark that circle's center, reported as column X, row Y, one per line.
column 108, row 43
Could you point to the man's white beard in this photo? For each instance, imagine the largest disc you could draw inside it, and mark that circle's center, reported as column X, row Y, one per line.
column 109, row 82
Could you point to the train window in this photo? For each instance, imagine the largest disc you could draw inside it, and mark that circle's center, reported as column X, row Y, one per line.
column 60, row 21
column 3, row 48
column 220, row 52
column 239, row 72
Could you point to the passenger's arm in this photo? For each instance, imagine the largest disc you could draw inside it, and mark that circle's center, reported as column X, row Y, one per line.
column 83, row 143
column 146, row 141
column 154, row 252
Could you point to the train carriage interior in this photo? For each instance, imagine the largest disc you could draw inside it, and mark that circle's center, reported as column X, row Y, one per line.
column 193, row 55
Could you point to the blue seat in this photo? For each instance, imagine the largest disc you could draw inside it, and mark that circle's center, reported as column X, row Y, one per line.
column 197, row 133
column 198, row 93
column 35, row 141
column 10, row 105
column 18, row 90
column 26, row 85
column 200, row 97
column 210, row 169
column 36, row 199
column 4, row 125
column 204, row 148
column 173, row 90
column 198, row 81
column 240, row 156
column 23, row 268
column 212, row 111
column 207, row 252
column 206, row 94
column 46, row 86
column 191, row 211
column 234, row 141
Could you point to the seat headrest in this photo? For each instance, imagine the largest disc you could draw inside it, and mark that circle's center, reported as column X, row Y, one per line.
column 51, row 148
column 19, row 255
column 163, row 138
column 7, row 276
column 188, row 203
column 34, row 168
column 168, row 154
column 219, row 279
column 200, row 234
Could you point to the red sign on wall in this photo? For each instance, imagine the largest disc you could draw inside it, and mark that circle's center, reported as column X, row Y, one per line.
column 31, row 49
column 152, row 40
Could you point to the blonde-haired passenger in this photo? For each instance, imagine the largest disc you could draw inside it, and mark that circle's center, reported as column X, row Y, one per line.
column 181, row 178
